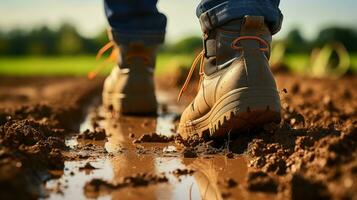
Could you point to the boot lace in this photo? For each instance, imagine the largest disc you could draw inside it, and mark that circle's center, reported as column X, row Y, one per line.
column 200, row 58
column 112, row 58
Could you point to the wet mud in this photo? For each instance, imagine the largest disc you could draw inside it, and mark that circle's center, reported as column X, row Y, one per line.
column 33, row 130
column 47, row 152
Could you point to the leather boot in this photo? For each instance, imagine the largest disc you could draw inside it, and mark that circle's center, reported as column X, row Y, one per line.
column 129, row 89
column 237, row 90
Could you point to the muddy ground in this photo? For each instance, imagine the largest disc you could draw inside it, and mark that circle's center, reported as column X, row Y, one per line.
column 57, row 142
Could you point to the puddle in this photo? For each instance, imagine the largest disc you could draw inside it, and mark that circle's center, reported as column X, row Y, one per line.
column 123, row 158
column 72, row 181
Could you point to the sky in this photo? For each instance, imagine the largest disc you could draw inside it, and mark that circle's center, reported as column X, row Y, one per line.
column 309, row 16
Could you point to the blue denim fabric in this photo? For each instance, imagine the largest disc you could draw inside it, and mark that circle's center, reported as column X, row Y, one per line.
column 214, row 13
column 140, row 21
column 135, row 21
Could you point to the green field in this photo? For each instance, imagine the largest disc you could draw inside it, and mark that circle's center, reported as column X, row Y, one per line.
column 81, row 65
column 74, row 65
column 299, row 63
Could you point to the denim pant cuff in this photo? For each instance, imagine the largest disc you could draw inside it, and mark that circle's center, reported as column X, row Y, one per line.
column 224, row 13
column 143, row 37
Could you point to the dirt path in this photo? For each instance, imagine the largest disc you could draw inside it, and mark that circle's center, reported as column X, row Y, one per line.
column 50, row 151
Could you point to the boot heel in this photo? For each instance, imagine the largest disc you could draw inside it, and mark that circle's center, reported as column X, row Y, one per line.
column 243, row 110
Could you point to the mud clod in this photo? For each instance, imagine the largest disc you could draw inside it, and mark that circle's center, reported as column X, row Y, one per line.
column 181, row 172
column 302, row 188
column 230, row 183
column 260, row 181
column 97, row 134
column 230, row 155
column 153, row 138
column 189, row 153
column 27, row 145
column 87, row 166
column 96, row 187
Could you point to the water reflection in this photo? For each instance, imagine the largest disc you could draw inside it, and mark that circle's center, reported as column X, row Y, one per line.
column 125, row 159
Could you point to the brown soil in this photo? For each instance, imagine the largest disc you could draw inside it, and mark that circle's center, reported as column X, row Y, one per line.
column 96, row 187
column 153, row 138
column 181, row 172
column 311, row 154
column 97, row 134
column 230, row 183
column 35, row 115
column 87, row 166
column 189, row 152
column 313, row 151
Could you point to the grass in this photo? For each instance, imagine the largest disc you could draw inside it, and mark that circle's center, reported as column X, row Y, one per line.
column 81, row 65
column 354, row 63
column 71, row 65
column 299, row 63
column 74, row 65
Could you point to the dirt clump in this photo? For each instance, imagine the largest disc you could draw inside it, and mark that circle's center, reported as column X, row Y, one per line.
column 262, row 182
column 36, row 144
column 12, row 177
column 230, row 155
column 96, row 187
column 303, row 188
column 189, row 153
column 33, row 130
column 131, row 135
column 182, row 172
column 97, row 134
column 310, row 154
column 153, row 138
column 87, row 166
column 25, row 146
column 230, row 183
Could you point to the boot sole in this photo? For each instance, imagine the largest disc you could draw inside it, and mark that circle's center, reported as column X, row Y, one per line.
column 239, row 110
column 133, row 105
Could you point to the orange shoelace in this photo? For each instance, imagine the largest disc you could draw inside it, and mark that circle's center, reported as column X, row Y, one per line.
column 200, row 57
column 112, row 58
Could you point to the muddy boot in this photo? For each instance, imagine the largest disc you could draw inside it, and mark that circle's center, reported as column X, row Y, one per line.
column 129, row 89
column 237, row 90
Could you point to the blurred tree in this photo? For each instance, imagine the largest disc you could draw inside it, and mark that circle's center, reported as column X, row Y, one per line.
column 41, row 41
column 17, row 42
column 66, row 40
column 92, row 45
column 296, row 43
column 101, row 38
column 4, row 45
column 347, row 36
column 69, row 41
column 185, row 46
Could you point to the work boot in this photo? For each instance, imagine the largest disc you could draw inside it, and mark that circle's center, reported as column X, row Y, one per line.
column 237, row 90
column 129, row 89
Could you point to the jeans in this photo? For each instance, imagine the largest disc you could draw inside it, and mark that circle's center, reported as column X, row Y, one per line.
column 139, row 21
